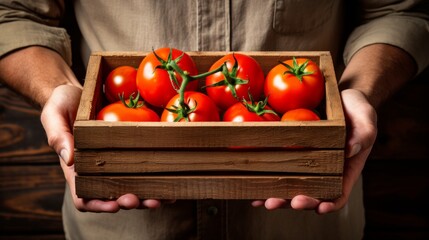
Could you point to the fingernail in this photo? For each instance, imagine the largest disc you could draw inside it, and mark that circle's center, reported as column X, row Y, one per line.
column 355, row 150
column 64, row 155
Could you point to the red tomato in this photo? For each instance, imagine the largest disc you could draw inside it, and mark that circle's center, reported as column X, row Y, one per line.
column 202, row 108
column 301, row 85
column 300, row 114
column 244, row 75
column 240, row 113
column 121, row 80
column 154, row 83
column 118, row 111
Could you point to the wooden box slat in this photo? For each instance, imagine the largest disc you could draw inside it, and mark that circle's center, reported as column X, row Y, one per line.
column 151, row 158
column 209, row 187
column 138, row 161
column 98, row 134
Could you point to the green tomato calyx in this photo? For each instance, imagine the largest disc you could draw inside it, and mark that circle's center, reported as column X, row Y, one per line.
column 297, row 70
column 257, row 107
column 231, row 79
column 133, row 102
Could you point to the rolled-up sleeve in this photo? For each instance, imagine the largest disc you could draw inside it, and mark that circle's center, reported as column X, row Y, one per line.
column 33, row 23
column 402, row 24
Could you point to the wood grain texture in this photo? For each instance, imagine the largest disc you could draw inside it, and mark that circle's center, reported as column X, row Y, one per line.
column 22, row 138
column 90, row 98
column 209, row 186
column 31, row 181
column 135, row 161
column 31, row 199
column 48, row 236
column 333, row 104
column 102, row 134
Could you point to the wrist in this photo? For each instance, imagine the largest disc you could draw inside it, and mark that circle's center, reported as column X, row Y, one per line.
column 378, row 71
column 34, row 72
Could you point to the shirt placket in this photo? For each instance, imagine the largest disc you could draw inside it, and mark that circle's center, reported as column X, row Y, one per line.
column 212, row 219
column 213, row 25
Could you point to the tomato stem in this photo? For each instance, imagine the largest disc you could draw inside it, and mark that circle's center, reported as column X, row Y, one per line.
column 297, row 69
column 231, row 79
column 171, row 66
column 257, row 107
column 203, row 75
column 133, row 102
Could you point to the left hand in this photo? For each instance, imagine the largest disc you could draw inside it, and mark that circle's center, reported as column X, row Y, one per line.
column 361, row 120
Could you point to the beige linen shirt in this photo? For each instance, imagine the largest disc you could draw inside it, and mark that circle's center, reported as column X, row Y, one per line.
column 202, row 25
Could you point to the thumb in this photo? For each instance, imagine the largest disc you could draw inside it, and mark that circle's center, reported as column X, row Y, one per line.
column 57, row 118
column 362, row 122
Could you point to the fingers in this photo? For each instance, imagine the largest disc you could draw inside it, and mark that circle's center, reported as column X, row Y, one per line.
column 126, row 201
column 131, row 201
column 352, row 170
column 302, row 202
column 86, row 205
column 299, row 202
column 271, row 203
column 361, row 133
column 151, row 203
column 95, row 205
column 276, row 203
column 59, row 135
column 57, row 119
column 258, row 203
column 361, row 122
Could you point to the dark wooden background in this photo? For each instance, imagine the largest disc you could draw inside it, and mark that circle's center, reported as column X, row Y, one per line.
column 31, row 180
column 396, row 179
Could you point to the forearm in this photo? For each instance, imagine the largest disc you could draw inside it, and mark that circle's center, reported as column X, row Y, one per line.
column 378, row 71
column 34, row 72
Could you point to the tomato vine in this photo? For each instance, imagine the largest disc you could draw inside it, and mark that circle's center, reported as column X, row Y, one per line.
column 171, row 66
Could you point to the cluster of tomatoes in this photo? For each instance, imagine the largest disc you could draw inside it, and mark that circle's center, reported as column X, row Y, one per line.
column 165, row 87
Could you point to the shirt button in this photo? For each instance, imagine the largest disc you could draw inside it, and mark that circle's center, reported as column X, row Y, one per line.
column 212, row 211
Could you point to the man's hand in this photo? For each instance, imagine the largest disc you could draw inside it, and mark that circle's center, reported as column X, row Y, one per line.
column 362, row 130
column 57, row 118
column 373, row 74
column 49, row 82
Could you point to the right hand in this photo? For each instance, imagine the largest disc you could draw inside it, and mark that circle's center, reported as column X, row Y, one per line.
column 57, row 118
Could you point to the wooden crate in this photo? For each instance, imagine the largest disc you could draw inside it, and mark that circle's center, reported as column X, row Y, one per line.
column 208, row 160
